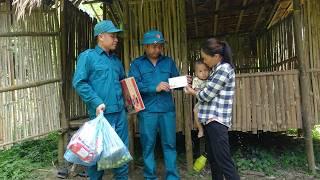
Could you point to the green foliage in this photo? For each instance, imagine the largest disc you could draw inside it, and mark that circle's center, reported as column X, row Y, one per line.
column 21, row 159
column 255, row 159
column 286, row 153
column 316, row 133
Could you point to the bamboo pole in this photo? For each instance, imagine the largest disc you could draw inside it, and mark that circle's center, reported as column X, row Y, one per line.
column 292, row 102
column 304, row 81
column 264, row 100
column 63, row 120
column 238, row 105
column 248, row 104
column 254, row 127
column 272, row 111
column 277, row 103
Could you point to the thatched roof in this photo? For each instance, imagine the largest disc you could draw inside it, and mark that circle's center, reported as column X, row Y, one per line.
column 206, row 17
column 22, row 6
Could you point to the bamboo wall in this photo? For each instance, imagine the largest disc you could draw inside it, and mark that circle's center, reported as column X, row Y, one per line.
column 79, row 37
column 267, row 102
column 168, row 16
column 276, row 48
column 30, row 75
column 311, row 22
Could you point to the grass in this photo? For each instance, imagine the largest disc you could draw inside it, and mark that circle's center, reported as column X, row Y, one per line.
column 20, row 160
column 265, row 153
column 273, row 152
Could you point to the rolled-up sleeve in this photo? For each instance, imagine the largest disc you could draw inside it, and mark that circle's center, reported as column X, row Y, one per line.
column 80, row 83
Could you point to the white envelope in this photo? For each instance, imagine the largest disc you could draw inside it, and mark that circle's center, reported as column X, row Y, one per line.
column 178, row 82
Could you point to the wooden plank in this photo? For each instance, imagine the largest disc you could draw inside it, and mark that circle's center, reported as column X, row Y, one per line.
column 254, row 127
column 243, row 107
column 298, row 100
column 265, row 106
column 277, row 97
column 292, row 102
column 248, row 104
column 258, row 103
column 234, row 113
column 272, row 104
column 288, row 72
column 288, row 119
column 238, row 105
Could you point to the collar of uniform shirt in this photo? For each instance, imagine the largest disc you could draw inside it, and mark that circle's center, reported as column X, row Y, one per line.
column 160, row 57
column 100, row 51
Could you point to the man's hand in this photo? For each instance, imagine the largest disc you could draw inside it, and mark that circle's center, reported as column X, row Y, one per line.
column 163, row 86
column 100, row 109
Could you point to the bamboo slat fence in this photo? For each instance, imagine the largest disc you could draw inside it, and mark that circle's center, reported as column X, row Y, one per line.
column 30, row 75
column 312, row 32
column 168, row 17
column 267, row 101
column 79, row 37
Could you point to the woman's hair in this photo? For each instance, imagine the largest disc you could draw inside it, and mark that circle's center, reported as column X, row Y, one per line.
column 214, row 46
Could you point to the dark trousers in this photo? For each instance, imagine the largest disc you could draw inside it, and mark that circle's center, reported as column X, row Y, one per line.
column 218, row 150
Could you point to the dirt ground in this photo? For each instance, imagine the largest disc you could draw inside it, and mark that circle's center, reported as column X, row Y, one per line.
column 137, row 174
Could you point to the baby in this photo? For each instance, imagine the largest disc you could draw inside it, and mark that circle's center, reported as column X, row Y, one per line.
column 198, row 83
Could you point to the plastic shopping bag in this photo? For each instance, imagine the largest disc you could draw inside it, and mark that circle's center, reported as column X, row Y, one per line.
column 85, row 147
column 115, row 154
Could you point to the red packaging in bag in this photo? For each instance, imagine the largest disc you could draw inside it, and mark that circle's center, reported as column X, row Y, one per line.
column 82, row 150
column 132, row 95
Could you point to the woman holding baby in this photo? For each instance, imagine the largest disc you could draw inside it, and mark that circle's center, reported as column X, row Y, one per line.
column 215, row 107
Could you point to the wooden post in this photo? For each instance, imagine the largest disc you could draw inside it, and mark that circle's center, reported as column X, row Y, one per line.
column 304, row 84
column 63, row 120
column 104, row 10
column 126, row 35
column 187, row 100
column 127, row 66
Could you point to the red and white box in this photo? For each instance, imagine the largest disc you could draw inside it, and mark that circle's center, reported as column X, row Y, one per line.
column 132, row 95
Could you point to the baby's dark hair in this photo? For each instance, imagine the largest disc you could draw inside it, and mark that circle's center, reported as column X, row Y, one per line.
column 198, row 62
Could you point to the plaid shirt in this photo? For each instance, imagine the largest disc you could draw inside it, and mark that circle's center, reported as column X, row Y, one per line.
column 217, row 97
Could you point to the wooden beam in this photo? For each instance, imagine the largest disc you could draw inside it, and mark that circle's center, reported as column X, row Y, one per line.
column 109, row 11
column 248, row 7
column 95, row 12
column 19, row 34
column 240, row 16
column 305, row 87
column 77, row 3
column 142, row 1
column 215, row 19
column 29, row 85
column 272, row 13
column 29, row 137
column 104, row 11
column 195, row 17
column 283, row 8
column 92, row 2
column 258, row 18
